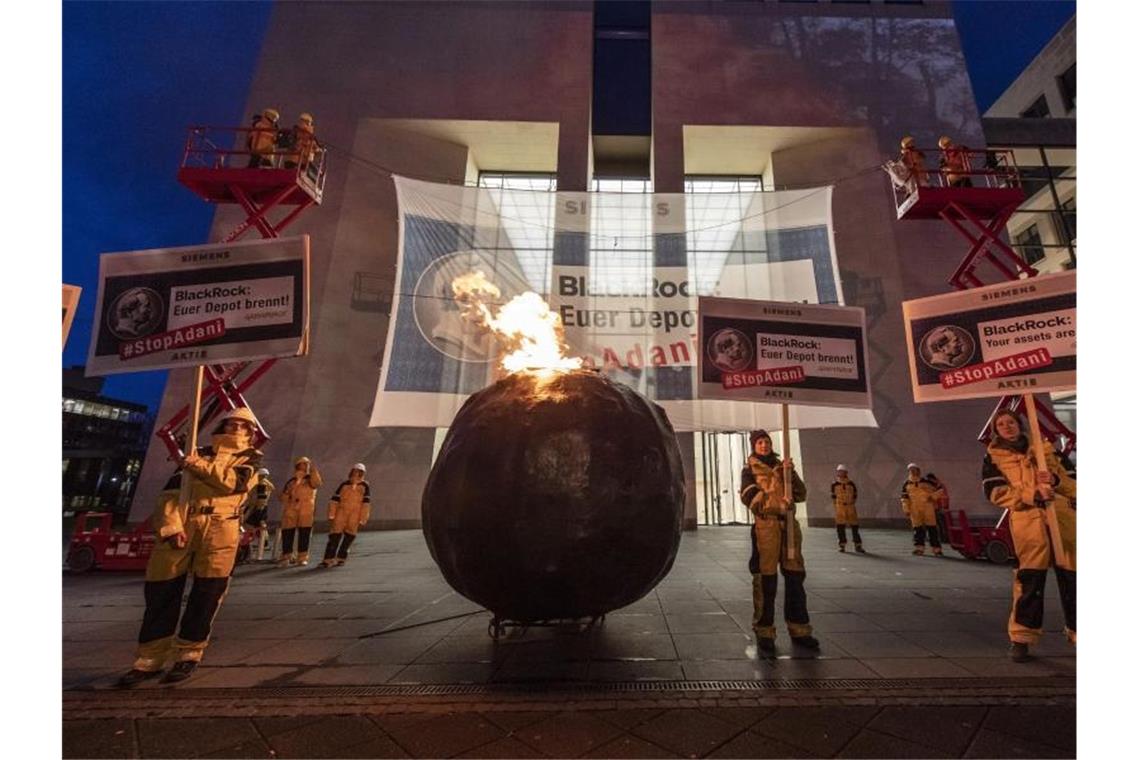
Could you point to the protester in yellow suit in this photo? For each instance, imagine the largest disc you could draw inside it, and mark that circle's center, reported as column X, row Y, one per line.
column 762, row 490
column 199, row 536
column 1011, row 480
column 348, row 511
column 920, row 498
column 299, row 497
column 843, row 496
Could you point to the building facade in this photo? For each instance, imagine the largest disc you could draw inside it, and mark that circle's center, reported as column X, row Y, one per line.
column 104, row 442
column 787, row 94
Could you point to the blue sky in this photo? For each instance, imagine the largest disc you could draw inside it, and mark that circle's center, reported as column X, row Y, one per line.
column 135, row 75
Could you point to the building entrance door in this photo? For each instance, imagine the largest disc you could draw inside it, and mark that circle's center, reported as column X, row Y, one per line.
column 719, row 459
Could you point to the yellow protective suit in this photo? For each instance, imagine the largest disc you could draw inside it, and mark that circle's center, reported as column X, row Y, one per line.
column 1009, row 481
column 349, row 509
column 762, row 490
column 920, row 498
column 299, row 497
column 210, row 521
column 843, row 496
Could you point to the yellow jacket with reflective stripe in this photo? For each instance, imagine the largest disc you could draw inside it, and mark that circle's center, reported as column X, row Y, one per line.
column 1009, row 477
column 221, row 481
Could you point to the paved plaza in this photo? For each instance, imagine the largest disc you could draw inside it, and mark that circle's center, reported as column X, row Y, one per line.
column 382, row 658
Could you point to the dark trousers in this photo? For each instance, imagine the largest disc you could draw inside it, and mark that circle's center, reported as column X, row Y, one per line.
column 927, row 530
column 164, row 603
column 1029, row 607
column 841, row 530
column 338, row 545
column 795, row 599
column 303, row 536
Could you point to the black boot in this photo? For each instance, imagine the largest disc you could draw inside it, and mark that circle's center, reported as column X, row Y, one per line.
column 134, row 677
column 807, row 642
column 1019, row 652
column 766, row 645
column 181, row 671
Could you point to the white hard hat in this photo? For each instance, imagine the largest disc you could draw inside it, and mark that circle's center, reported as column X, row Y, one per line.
column 361, row 467
column 263, row 473
column 841, row 468
column 913, row 466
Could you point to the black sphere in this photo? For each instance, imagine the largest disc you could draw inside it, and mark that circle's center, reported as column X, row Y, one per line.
column 555, row 498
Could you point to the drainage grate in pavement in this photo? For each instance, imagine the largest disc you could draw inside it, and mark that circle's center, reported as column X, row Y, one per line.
column 989, row 685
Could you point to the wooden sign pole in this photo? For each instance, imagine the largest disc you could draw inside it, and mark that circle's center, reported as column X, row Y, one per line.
column 790, row 516
column 192, row 439
column 1059, row 555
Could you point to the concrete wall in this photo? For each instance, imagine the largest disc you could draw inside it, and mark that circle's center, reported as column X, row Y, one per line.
column 1040, row 78
column 353, row 65
column 880, row 70
column 884, row 71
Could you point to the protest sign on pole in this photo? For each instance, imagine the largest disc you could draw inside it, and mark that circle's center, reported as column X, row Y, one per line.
column 70, row 305
column 785, row 353
column 778, row 352
column 999, row 340
column 1017, row 337
column 185, row 307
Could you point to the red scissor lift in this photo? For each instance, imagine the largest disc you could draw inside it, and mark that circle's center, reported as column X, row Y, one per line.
column 272, row 197
column 979, row 213
column 282, row 190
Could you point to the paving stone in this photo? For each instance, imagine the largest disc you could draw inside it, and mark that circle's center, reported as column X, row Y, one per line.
column 823, row 731
column 568, row 734
column 507, row 747
column 384, row 650
column 655, row 646
column 629, row 746
column 300, row 651
column 738, row 717
column 997, row 744
column 711, row 622
column 633, row 624
column 1000, row 666
column 653, row 670
column 915, row 667
column 951, row 731
column 873, row 744
column 185, row 737
column 446, row 735
column 327, row 737
column 753, row 745
column 628, row 718
column 250, row 749
column 714, row 646
column 347, row 675
column 98, row 738
column 270, row 725
column 1042, row 724
column 236, row 677
column 688, row 733
column 445, row 672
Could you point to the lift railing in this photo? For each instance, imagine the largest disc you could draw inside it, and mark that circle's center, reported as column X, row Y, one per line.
column 993, row 168
column 205, row 149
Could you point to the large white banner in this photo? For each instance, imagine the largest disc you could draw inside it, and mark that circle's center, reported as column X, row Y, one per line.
column 182, row 307
column 623, row 271
column 1000, row 340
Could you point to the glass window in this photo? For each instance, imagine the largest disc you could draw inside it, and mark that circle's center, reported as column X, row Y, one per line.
column 723, row 184
column 1069, row 215
column 1039, row 109
column 69, row 405
column 1028, row 243
column 1067, row 83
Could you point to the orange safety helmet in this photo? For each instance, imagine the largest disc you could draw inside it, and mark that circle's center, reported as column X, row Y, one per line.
column 907, row 142
column 944, row 142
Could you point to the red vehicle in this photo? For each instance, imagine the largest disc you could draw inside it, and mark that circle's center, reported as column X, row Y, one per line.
column 106, row 549
column 100, row 548
column 995, row 544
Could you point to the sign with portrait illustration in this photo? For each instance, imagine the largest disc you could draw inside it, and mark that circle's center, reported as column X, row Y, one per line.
column 780, row 352
column 183, row 307
column 1005, row 339
column 70, row 304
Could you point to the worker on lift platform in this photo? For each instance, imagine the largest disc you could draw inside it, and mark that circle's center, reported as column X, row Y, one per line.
column 915, row 162
column 263, row 138
column 955, row 163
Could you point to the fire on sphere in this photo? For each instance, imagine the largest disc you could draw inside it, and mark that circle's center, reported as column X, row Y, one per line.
column 557, row 493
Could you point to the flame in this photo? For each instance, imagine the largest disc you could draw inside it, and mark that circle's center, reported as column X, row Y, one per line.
column 530, row 333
